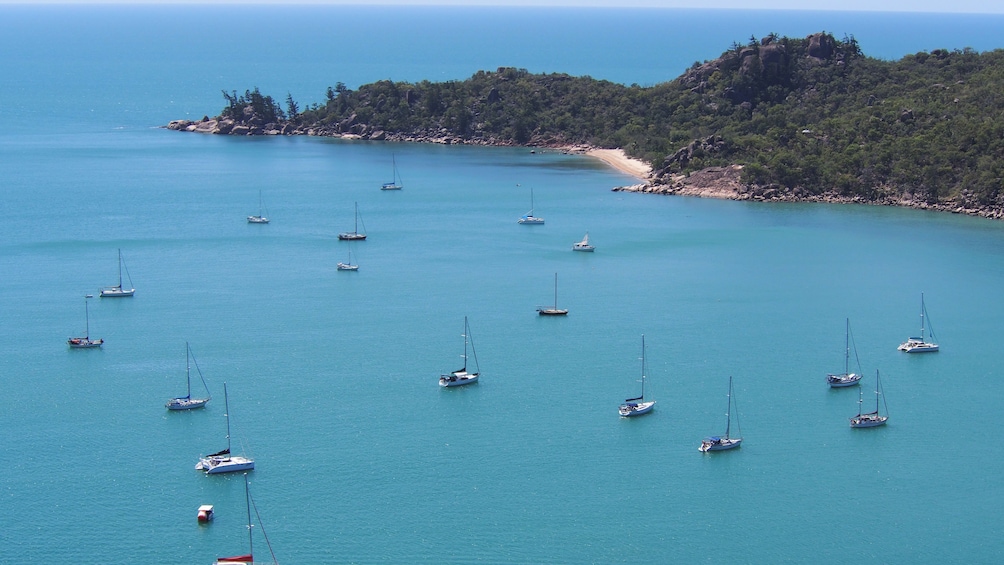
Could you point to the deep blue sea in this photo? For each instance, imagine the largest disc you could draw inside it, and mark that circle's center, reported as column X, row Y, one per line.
column 361, row 456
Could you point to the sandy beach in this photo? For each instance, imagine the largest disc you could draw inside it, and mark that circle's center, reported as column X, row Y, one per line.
column 620, row 161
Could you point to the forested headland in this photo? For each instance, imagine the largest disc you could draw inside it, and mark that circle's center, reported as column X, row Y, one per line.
column 779, row 118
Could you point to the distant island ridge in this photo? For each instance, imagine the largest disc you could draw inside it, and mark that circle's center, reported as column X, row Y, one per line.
column 774, row 119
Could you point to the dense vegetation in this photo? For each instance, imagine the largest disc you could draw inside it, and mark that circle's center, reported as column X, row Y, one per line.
column 808, row 116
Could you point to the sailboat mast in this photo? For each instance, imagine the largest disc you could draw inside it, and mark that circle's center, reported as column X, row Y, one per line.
column 87, row 320
column 877, row 387
column 728, row 411
column 120, row 268
column 356, row 230
column 643, row 367
column 247, row 499
column 847, row 346
column 922, row 312
column 555, row 291
column 188, row 368
column 226, row 406
column 465, row 343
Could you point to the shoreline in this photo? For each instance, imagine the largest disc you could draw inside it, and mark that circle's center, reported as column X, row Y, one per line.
column 723, row 183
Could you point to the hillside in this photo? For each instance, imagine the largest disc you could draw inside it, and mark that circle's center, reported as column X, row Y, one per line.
column 783, row 118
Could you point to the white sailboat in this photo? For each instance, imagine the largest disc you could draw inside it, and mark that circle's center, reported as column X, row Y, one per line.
column 350, row 266
column 919, row 344
column 638, row 406
column 720, row 443
column 248, row 558
column 529, row 218
column 85, row 342
column 118, row 291
column 554, row 311
column 583, row 245
column 461, row 377
column 187, row 402
column 355, row 234
column 262, row 217
column 223, row 461
column 846, row 378
column 397, row 183
column 871, row 419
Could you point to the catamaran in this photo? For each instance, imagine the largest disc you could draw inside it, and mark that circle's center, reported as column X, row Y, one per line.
column 919, row 344
column 223, row 461
column 554, row 311
column 583, row 245
column 638, row 406
column 529, row 218
column 85, row 342
column 118, row 291
column 846, row 378
column 461, row 377
column 720, row 443
column 187, row 402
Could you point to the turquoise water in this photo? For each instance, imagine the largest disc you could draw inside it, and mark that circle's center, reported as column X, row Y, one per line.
column 361, row 457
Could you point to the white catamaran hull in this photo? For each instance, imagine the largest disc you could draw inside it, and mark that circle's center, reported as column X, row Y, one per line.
column 628, row 410
column 913, row 345
column 215, row 465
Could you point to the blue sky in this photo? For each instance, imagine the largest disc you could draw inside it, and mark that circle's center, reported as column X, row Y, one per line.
column 950, row 6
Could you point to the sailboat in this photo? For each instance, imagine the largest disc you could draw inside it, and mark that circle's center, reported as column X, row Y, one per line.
column 223, row 461
column 118, row 291
column 718, row 443
column 555, row 311
column 461, row 377
column 187, row 402
column 638, row 406
column 529, row 218
column 350, row 266
column 871, row 419
column 261, row 218
column 248, row 559
column 354, row 234
column 85, row 342
column 395, row 184
column 919, row 344
column 583, row 245
column 847, row 378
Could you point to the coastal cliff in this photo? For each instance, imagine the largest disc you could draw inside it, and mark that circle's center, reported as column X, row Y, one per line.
column 775, row 119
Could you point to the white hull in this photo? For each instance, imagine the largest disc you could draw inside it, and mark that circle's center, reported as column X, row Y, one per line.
column 458, row 379
column 186, row 403
column 840, row 381
column 530, row 220
column 84, row 343
column 391, row 186
column 347, row 267
column 216, row 465
column 552, row 311
column 580, row 247
column 351, row 236
column 917, row 346
column 628, row 410
column 257, row 220
column 720, row 444
column 117, row 292
column 868, row 421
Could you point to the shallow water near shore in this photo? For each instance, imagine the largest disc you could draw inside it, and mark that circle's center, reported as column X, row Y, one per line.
column 361, row 457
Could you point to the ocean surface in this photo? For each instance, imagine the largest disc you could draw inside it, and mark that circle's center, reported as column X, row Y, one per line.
column 332, row 376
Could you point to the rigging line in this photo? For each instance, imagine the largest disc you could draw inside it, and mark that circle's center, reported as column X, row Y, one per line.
column 261, row 526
